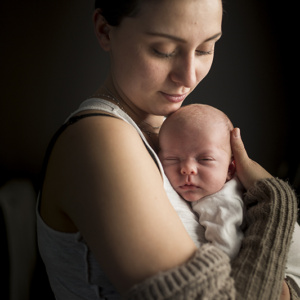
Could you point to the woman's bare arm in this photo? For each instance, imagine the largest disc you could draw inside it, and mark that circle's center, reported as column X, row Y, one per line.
column 102, row 181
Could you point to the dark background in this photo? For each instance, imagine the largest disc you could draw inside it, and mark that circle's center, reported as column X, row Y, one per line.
column 50, row 62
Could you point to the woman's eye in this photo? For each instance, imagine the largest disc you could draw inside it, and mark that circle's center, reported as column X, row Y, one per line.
column 202, row 53
column 168, row 54
column 163, row 54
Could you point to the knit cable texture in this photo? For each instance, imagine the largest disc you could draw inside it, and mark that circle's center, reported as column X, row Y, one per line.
column 271, row 215
column 205, row 276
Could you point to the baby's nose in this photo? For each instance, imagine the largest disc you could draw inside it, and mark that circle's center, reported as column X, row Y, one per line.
column 188, row 168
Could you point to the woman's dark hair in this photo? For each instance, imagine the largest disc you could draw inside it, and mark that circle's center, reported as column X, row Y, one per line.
column 115, row 10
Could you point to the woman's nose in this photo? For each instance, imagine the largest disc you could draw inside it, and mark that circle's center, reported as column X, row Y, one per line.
column 185, row 72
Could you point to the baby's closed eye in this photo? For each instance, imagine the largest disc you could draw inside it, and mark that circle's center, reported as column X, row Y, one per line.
column 170, row 160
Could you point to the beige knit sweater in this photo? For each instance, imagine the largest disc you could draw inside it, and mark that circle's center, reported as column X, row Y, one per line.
column 258, row 271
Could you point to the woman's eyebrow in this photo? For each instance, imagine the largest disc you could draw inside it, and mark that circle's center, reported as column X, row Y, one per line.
column 214, row 37
column 178, row 39
column 165, row 35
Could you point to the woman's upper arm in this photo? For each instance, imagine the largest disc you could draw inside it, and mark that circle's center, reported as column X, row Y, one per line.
column 113, row 192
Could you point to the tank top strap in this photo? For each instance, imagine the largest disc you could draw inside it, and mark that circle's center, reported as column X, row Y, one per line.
column 106, row 109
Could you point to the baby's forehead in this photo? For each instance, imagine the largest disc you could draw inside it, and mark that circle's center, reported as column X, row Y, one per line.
column 202, row 125
column 199, row 114
column 198, row 138
column 198, row 121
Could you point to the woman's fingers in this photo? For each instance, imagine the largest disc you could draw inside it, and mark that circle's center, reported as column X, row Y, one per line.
column 247, row 170
column 238, row 148
column 285, row 293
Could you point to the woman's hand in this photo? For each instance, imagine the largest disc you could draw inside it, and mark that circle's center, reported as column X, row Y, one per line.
column 248, row 171
column 285, row 293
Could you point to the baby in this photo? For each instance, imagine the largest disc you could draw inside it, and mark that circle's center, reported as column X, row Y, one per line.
column 196, row 156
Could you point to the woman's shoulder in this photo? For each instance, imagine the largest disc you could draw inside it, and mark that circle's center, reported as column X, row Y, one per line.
column 94, row 128
column 85, row 149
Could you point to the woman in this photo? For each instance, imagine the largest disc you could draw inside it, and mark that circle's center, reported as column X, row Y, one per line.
column 106, row 226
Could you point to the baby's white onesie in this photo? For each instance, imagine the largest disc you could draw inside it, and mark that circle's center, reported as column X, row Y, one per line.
column 221, row 215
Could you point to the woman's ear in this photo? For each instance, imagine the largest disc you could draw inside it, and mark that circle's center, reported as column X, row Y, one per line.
column 102, row 30
column 231, row 170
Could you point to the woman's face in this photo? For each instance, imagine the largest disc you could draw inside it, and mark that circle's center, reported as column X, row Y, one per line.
column 159, row 56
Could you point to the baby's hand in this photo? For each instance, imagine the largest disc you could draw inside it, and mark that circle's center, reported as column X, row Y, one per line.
column 248, row 171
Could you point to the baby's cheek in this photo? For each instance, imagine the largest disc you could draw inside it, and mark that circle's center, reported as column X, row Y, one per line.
column 172, row 173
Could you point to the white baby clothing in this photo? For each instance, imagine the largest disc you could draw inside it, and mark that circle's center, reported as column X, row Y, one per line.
column 221, row 214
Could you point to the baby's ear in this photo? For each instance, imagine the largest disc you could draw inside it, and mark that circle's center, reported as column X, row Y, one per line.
column 231, row 170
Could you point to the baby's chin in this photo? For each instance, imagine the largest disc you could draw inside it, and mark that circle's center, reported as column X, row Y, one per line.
column 191, row 196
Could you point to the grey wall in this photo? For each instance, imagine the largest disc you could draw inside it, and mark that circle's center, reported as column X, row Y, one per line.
column 50, row 62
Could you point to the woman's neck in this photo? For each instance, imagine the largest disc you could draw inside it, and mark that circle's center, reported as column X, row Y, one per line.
column 149, row 124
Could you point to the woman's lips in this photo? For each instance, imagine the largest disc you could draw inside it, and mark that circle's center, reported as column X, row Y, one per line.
column 174, row 98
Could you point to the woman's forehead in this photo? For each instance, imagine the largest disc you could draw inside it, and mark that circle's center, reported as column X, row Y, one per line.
column 181, row 18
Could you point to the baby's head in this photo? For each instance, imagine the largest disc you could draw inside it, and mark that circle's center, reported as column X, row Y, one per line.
column 195, row 150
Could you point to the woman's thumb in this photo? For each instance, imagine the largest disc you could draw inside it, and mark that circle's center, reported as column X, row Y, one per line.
column 248, row 171
column 239, row 152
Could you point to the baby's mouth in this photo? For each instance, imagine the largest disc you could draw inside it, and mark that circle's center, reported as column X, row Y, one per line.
column 188, row 186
